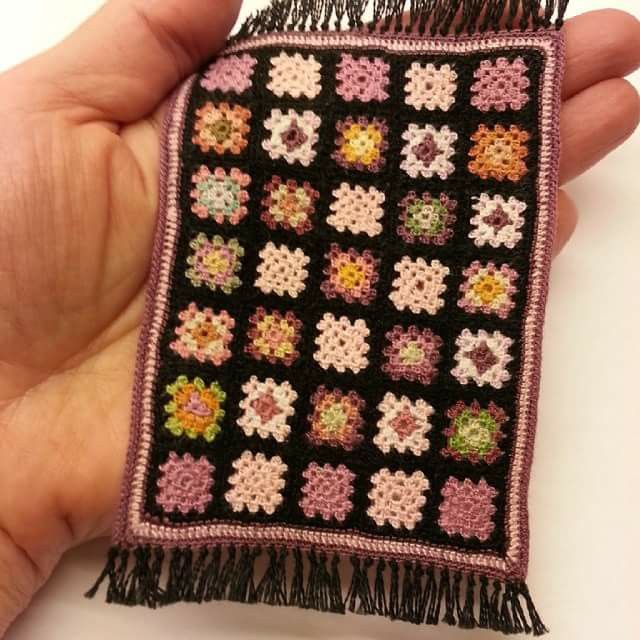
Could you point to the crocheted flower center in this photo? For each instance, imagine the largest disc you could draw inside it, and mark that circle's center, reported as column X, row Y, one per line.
column 351, row 275
column 488, row 288
column 293, row 136
column 334, row 418
column 217, row 262
column 362, row 144
column 482, row 357
column 412, row 353
column 205, row 333
column 473, row 434
column 274, row 336
column 404, row 424
column 195, row 409
column 427, row 149
column 425, row 218
column 290, row 206
column 266, row 407
column 497, row 219
column 220, row 129
column 219, row 194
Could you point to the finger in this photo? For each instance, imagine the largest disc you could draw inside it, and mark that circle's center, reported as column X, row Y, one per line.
column 129, row 55
column 600, row 45
column 594, row 122
column 566, row 221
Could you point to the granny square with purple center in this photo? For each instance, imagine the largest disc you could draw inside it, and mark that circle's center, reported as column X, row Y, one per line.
column 340, row 356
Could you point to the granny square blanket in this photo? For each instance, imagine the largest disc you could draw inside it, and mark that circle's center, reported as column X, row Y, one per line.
column 338, row 372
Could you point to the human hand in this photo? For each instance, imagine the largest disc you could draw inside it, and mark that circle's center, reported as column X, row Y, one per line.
column 78, row 199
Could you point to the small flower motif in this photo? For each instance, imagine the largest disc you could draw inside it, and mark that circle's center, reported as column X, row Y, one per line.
column 273, row 336
column 327, row 492
column 229, row 73
column 336, row 420
column 296, row 75
column 204, row 335
column 220, row 195
column 266, row 408
column 342, row 344
column 500, row 85
column 430, row 87
column 361, row 143
column 428, row 151
column 222, row 127
column 474, row 432
column 357, row 209
column 499, row 153
column 397, row 498
column 185, row 483
column 351, row 275
column 293, row 136
column 482, row 357
column 195, row 409
column 362, row 78
column 487, row 289
column 215, row 263
column 412, row 354
column 289, row 205
column 256, row 484
column 282, row 271
column 497, row 221
column 467, row 508
column 425, row 219
column 404, row 425
column 419, row 285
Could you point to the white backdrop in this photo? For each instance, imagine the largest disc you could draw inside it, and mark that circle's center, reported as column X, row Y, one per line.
column 585, row 530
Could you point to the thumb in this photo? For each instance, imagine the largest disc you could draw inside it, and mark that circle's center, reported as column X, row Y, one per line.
column 125, row 59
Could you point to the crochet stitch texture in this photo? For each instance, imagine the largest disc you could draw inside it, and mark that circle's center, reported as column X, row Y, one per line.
column 341, row 352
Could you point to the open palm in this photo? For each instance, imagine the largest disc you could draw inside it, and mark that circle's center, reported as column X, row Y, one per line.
column 79, row 164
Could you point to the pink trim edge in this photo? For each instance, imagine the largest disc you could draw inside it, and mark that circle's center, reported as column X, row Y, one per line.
column 131, row 528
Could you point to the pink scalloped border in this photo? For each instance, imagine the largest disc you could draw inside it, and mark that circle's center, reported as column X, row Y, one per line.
column 131, row 527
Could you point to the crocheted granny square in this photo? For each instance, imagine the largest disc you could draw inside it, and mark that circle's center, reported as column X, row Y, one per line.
column 341, row 350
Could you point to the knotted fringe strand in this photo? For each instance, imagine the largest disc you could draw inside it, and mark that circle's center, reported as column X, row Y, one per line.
column 312, row 579
column 435, row 17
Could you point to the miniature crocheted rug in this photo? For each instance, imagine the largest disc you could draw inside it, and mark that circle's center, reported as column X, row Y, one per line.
column 337, row 377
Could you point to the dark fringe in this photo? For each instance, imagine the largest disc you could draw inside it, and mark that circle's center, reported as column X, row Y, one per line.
column 312, row 579
column 435, row 17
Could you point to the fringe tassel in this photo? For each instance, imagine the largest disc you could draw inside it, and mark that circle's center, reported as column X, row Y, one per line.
column 494, row 607
column 410, row 16
column 241, row 584
column 335, row 589
column 296, row 596
column 447, row 591
column 359, row 595
column 433, row 600
column 318, row 583
column 394, row 611
column 537, row 625
column 483, row 618
column 407, row 603
column 210, row 575
column 380, row 591
column 272, row 589
column 411, row 592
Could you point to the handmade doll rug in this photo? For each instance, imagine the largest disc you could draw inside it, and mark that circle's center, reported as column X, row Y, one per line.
column 335, row 397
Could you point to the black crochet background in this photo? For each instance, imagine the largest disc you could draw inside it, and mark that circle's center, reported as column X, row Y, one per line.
column 305, row 374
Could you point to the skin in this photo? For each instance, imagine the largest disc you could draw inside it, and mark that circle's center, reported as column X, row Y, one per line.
column 79, row 130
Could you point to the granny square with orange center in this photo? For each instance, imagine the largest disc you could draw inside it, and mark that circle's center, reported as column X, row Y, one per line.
column 342, row 348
